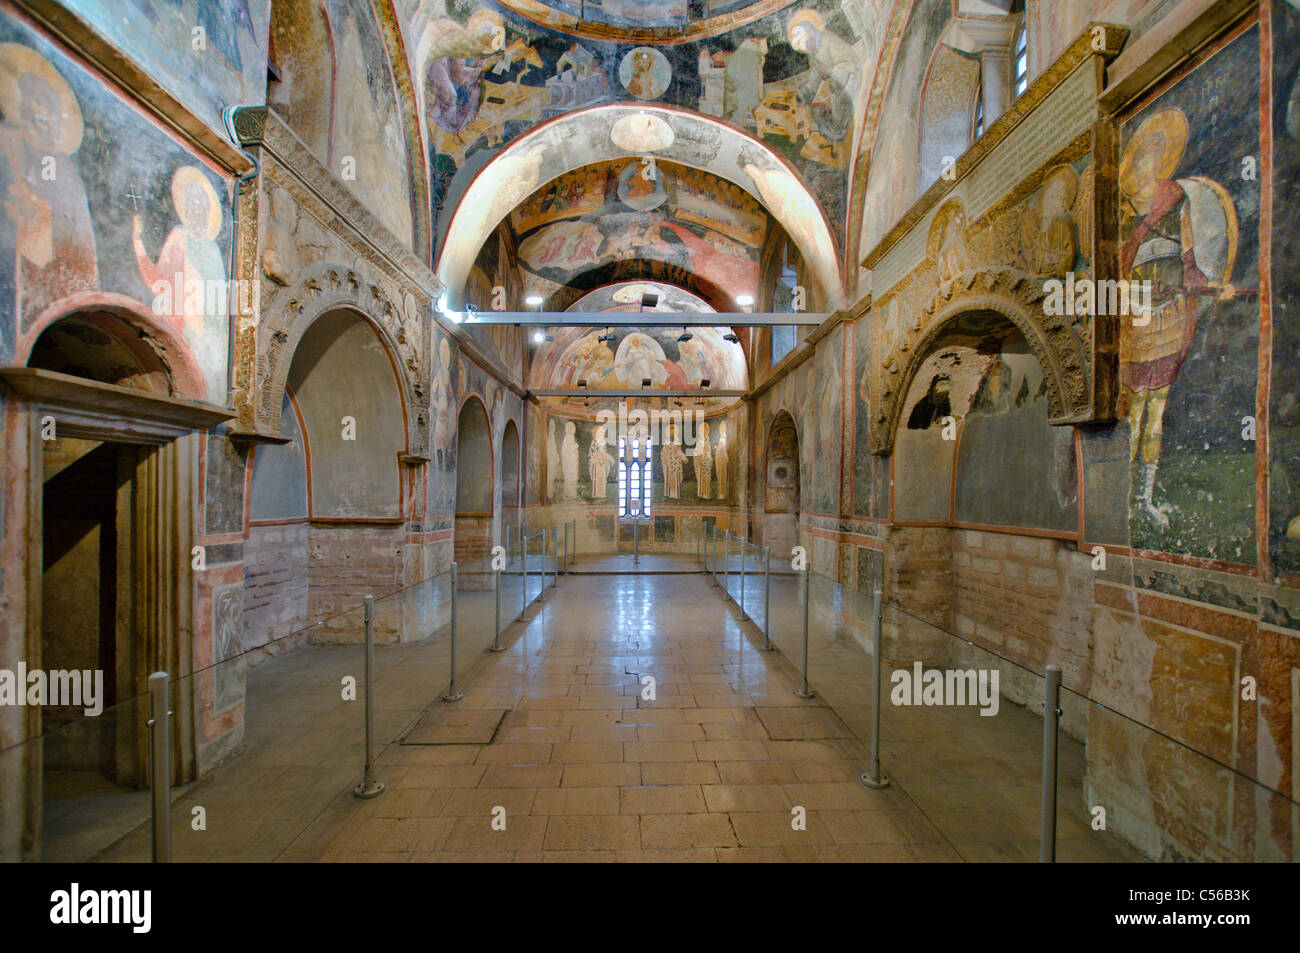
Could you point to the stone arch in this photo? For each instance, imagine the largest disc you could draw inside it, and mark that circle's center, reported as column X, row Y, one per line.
column 618, row 131
column 152, row 347
column 333, row 286
column 993, row 292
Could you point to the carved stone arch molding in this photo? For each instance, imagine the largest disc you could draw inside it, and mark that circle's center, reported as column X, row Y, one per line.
column 1061, row 349
column 317, row 290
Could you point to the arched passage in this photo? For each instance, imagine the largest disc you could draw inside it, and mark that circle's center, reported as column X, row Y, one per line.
column 781, row 485
column 619, row 131
column 475, row 482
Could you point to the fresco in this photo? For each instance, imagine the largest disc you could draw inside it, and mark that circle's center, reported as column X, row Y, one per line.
column 892, row 184
column 1189, row 224
column 642, row 209
column 582, row 463
column 1037, row 487
column 629, row 296
column 793, row 78
column 570, row 143
column 223, row 65
column 870, row 472
column 1284, row 401
column 823, row 423
column 98, row 201
column 443, row 402
column 630, row 356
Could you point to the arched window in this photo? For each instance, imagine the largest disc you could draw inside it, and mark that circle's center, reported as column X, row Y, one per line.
column 1021, row 59
column 634, row 481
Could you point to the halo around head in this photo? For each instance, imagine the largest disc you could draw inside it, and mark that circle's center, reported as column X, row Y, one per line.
column 187, row 176
column 1169, row 127
column 17, row 60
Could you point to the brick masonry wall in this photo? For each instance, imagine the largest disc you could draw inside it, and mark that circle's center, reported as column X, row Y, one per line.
column 346, row 563
column 275, row 582
column 1025, row 598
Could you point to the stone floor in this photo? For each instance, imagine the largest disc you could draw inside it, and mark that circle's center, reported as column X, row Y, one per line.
column 582, row 767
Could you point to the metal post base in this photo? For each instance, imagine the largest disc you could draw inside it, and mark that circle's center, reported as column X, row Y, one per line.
column 496, row 648
column 876, row 783
column 766, row 648
column 368, row 790
column 799, row 692
column 453, row 696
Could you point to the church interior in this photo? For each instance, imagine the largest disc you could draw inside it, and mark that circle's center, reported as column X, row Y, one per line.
column 735, row 460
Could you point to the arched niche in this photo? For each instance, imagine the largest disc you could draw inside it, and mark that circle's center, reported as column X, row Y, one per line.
column 475, row 481
column 347, row 390
column 781, row 485
column 509, row 457
column 948, row 100
column 103, row 347
column 975, row 446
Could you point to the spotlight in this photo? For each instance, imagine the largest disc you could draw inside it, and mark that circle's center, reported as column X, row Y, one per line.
column 534, row 301
column 745, row 301
column 650, row 299
column 646, row 382
column 704, row 383
column 731, row 337
column 607, row 336
column 686, row 336
column 582, row 382
column 539, row 337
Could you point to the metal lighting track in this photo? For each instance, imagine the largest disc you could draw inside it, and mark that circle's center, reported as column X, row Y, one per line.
column 597, row 393
column 609, row 319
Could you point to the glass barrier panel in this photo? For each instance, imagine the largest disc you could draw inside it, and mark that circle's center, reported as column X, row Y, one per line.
column 1126, row 791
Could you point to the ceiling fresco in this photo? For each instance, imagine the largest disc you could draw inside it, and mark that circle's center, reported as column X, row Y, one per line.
column 669, row 215
column 629, row 297
column 790, row 75
column 628, row 356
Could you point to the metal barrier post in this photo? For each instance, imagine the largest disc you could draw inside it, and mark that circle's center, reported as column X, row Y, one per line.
column 636, row 546
column 767, row 598
column 369, row 787
column 541, row 593
column 715, row 554
column 496, row 597
column 160, row 738
column 806, row 692
column 1051, row 721
column 726, row 563
column 453, row 695
column 566, row 549
column 523, row 553
column 743, row 546
column 872, row 777
column 555, row 556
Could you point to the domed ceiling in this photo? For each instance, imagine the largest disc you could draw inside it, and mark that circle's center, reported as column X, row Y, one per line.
column 629, row 356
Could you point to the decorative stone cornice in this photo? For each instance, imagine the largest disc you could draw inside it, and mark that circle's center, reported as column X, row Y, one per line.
column 135, row 83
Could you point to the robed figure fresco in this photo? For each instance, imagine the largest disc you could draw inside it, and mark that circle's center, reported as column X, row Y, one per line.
column 1180, row 234
column 45, row 200
column 459, row 57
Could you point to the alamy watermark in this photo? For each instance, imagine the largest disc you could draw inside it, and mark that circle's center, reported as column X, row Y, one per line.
column 1091, row 298
column 662, row 426
column 180, row 295
column 73, row 688
column 946, row 688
